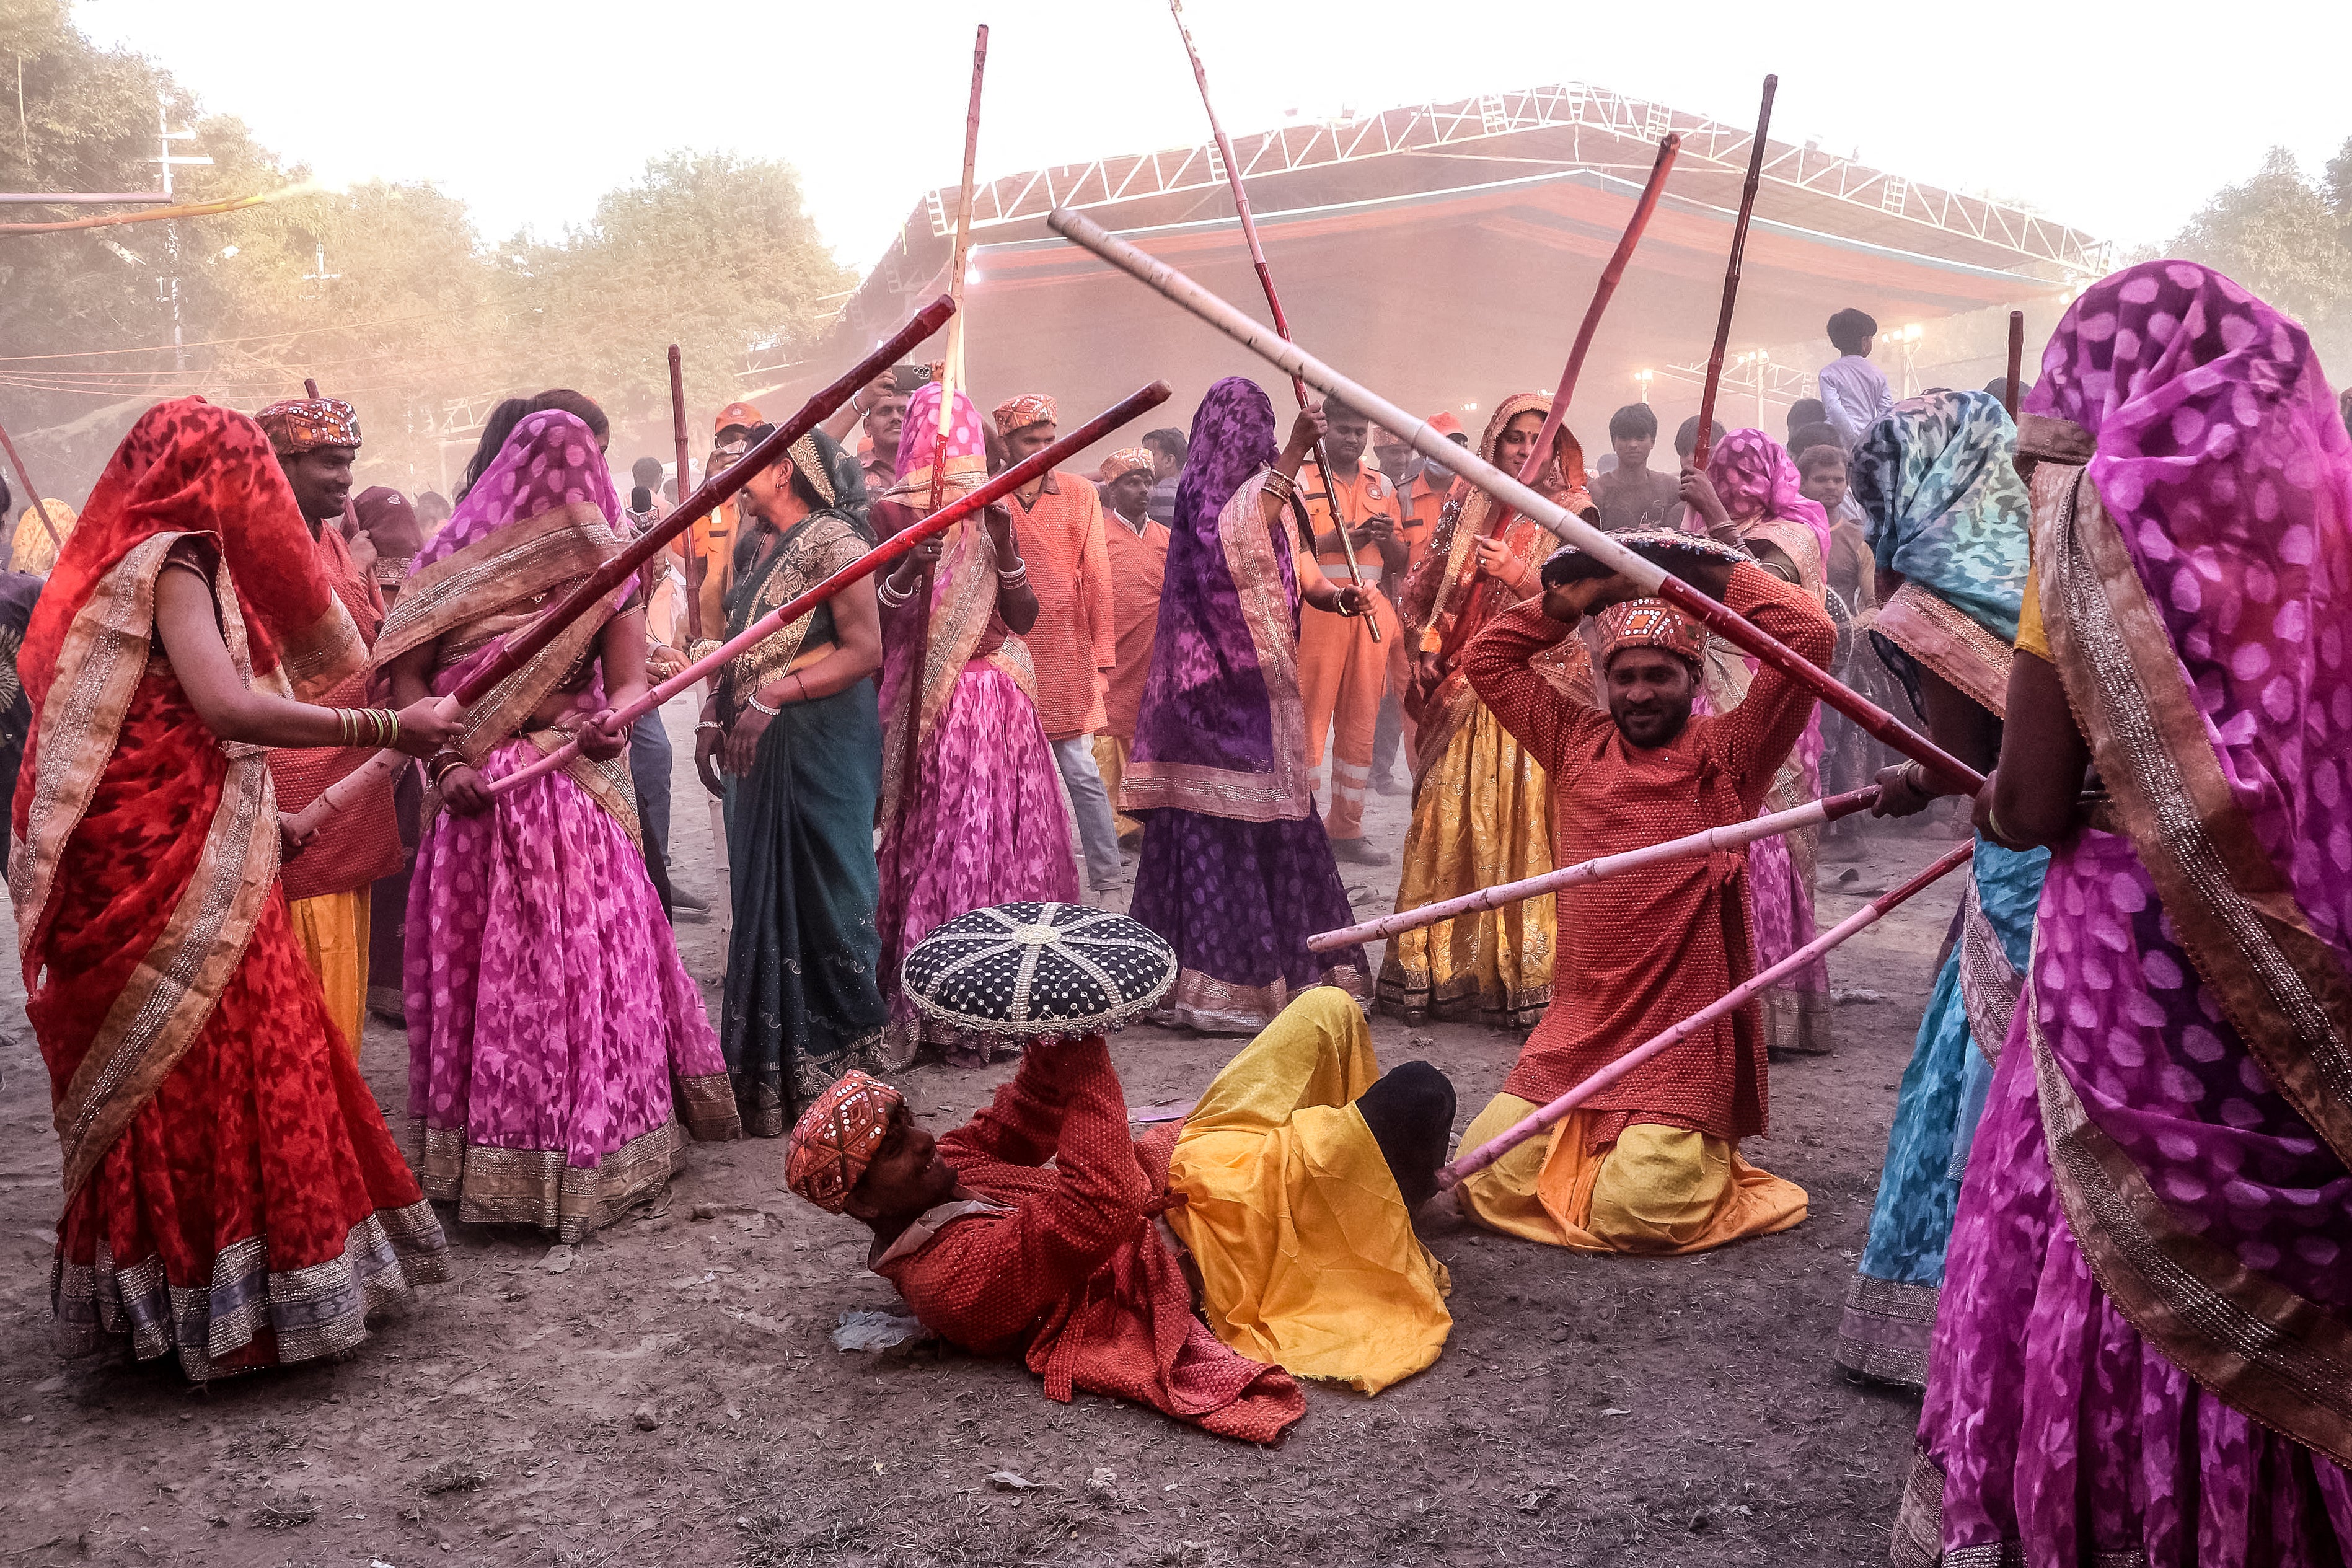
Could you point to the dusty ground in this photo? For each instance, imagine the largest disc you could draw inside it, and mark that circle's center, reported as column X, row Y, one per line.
column 667, row 1394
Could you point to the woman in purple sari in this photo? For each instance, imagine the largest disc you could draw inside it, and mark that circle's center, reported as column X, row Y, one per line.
column 1235, row 871
column 555, row 1041
column 2144, row 1349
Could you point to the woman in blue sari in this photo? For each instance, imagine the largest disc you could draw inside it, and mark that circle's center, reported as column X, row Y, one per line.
column 794, row 725
column 1946, row 519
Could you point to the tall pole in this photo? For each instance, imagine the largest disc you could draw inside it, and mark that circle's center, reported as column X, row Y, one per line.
column 724, row 900
column 40, row 507
column 2009, row 392
column 685, row 456
column 1700, row 453
column 1281, row 322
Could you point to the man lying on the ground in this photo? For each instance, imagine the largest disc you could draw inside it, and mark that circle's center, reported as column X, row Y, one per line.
column 1281, row 1208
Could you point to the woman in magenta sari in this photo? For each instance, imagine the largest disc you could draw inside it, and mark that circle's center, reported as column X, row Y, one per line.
column 984, row 823
column 2146, row 1315
column 1236, row 872
column 555, row 1041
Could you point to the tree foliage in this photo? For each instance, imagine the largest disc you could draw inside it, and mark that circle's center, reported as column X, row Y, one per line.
column 2288, row 239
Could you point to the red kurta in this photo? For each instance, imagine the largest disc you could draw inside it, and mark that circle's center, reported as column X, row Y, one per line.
column 1065, row 1266
column 1640, row 952
column 1061, row 538
column 361, row 842
column 1139, row 563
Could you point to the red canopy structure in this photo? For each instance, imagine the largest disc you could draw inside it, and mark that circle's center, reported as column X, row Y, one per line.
column 1443, row 252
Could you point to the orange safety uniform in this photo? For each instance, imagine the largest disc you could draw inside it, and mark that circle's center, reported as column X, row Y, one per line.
column 1342, row 673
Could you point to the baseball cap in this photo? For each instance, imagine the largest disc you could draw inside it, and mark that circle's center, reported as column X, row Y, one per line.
column 742, row 414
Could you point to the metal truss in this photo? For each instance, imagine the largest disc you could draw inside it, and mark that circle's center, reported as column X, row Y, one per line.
column 1615, row 119
column 1749, row 374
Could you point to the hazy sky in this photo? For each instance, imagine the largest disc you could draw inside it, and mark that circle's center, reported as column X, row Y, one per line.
column 2107, row 117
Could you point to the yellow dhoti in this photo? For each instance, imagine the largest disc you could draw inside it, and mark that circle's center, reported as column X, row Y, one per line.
column 333, row 930
column 1306, row 1254
column 1111, row 760
column 1655, row 1190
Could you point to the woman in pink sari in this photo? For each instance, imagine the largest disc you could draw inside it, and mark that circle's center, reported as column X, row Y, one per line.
column 2142, row 1349
column 1752, row 496
column 555, row 1041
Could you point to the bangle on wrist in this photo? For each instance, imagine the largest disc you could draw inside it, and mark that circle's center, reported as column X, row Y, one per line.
column 757, row 706
column 703, row 724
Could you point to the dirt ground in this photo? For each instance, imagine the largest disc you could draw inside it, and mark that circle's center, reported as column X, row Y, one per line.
column 667, row 1393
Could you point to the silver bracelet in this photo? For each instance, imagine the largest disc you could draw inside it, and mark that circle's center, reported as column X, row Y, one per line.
column 757, row 706
column 1014, row 578
column 892, row 597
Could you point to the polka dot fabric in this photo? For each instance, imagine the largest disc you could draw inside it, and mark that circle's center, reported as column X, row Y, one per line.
column 551, row 461
column 1039, row 970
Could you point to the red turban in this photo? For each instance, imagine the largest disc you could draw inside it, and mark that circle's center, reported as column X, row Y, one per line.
column 1021, row 412
column 1650, row 623
column 835, row 1138
column 300, row 425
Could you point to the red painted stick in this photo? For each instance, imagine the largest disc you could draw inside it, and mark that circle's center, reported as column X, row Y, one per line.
column 1273, row 304
column 525, row 645
column 1600, row 869
column 1731, row 280
column 685, row 456
column 1450, row 648
column 866, row 565
column 1487, row 1153
column 2008, row 392
column 40, row 507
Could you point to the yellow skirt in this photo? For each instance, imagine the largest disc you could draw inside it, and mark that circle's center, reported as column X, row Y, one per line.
column 1481, row 814
column 1656, row 1190
column 333, row 930
column 1308, row 1258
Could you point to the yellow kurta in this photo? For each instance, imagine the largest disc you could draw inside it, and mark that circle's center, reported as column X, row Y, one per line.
column 1307, row 1257
column 333, row 930
column 1660, row 1190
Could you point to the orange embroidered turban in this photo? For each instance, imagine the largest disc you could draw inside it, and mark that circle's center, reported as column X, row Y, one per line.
column 1020, row 413
column 1120, row 464
column 302, row 424
column 836, row 1137
column 1650, row 623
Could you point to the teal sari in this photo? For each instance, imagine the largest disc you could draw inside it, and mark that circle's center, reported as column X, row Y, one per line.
column 802, row 1003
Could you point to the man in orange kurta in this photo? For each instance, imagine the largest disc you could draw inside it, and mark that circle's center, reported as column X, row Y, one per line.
column 1342, row 672
column 1058, row 520
column 711, row 557
column 1138, row 548
column 1650, row 1163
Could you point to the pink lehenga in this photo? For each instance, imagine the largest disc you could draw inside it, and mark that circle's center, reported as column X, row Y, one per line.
column 556, row 1042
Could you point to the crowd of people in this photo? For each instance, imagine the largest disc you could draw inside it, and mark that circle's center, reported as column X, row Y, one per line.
column 2109, row 1234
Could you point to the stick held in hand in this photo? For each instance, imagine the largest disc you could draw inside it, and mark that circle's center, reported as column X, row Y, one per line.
column 1731, row 279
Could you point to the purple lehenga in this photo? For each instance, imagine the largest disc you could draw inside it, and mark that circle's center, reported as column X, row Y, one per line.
column 2143, row 1354
column 1236, row 870
column 556, row 1042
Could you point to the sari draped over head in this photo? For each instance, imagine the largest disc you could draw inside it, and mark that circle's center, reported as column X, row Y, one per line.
column 1758, row 484
column 962, row 612
column 1446, row 588
column 1936, row 481
column 1220, row 728
column 187, row 471
column 538, row 520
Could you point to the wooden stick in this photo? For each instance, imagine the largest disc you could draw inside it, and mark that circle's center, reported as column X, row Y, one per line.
column 1731, row 280
column 1600, row 870
column 951, row 373
column 685, row 458
column 350, row 513
column 2008, row 392
column 40, row 507
column 1953, row 776
column 1450, row 647
column 1487, row 1153
column 523, row 646
column 1281, row 322
column 866, row 565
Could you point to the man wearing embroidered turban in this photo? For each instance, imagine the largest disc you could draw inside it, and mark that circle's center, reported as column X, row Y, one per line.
column 1653, row 1163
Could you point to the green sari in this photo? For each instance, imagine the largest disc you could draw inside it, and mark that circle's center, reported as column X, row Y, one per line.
column 802, row 1002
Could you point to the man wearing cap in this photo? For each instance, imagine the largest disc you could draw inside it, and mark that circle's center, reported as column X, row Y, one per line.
column 1652, row 1164
column 1058, row 520
column 327, row 885
column 1138, row 548
column 711, row 557
column 1342, row 673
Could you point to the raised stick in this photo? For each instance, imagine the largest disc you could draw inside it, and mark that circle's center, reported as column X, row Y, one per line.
column 40, row 507
column 1731, row 280
column 1487, row 1153
column 1281, row 322
column 685, row 456
column 2009, row 392
column 1600, row 870
column 521, row 647
column 1955, row 775
column 866, row 565
column 1450, row 647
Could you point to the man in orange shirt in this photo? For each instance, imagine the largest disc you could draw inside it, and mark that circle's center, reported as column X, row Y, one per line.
column 1342, row 673
column 710, row 564
column 1421, row 489
column 1138, row 564
column 1058, row 518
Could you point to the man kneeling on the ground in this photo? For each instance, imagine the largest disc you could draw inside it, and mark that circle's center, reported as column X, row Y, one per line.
column 1282, row 1209
column 1652, row 1164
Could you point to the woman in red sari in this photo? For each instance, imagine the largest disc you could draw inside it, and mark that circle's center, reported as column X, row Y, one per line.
column 232, row 1194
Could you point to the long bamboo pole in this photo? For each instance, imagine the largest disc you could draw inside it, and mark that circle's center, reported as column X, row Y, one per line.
column 525, row 645
column 722, row 869
column 1600, row 869
column 1450, row 647
column 2009, row 392
column 1955, row 775
column 1487, row 1153
column 1281, row 322
column 685, row 458
column 951, row 374
column 1731, row 279
column 866, row 565
column 40, row 506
